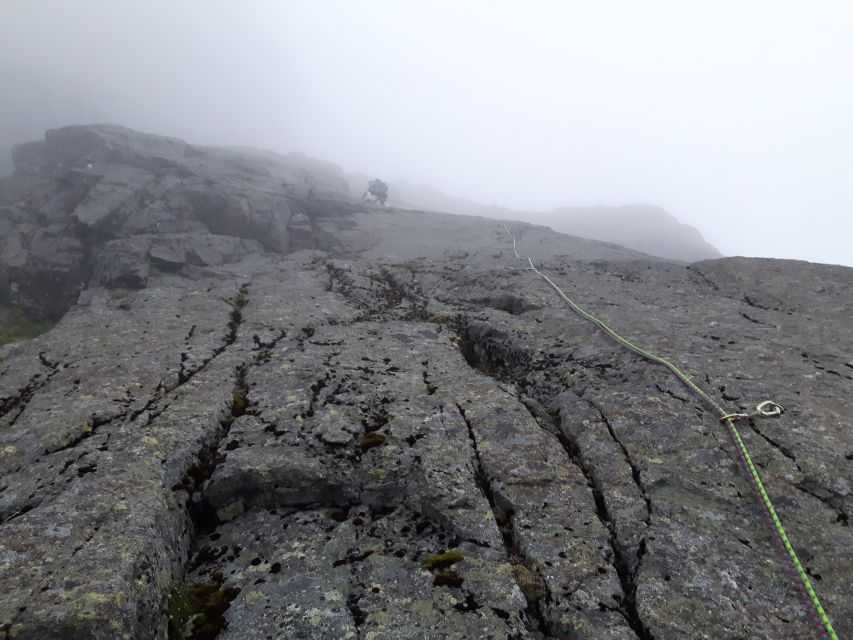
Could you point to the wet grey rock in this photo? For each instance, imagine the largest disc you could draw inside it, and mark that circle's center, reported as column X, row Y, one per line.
column 403, row 435
column 302, row 232
column 43, row 268
column 337, row 433
column 123, row 263
column 171, row 252
column 87, row 190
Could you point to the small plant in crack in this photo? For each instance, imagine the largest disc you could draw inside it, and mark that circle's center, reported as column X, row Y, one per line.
column 238, row 303
column 532, row 584
column 371, row 440
column 447, row 578
column 442, row 560
column 377, row 421
column 197, row 610
column 377, row 418
column 203, row 516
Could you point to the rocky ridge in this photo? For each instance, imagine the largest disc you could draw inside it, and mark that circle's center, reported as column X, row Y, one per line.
column 392, row 431
column 640, row 227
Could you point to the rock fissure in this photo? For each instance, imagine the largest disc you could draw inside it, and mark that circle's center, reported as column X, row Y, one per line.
column 90, row 428
column 635, row 469
column 752, row 320
column 703, row 277
column 182, row 373
column 203, row 522
column 828, row 498
column 480, row 355
column 785, row 451
column 671, row 393
column 235, row 319
column 626, row 567
column 503, row 515
column 23, row 396
column 264, row 348
column 755, row 303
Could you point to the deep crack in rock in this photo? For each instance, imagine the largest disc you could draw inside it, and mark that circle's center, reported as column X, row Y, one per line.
column 503, row 515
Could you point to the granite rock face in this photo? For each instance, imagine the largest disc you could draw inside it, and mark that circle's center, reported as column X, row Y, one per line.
column 91, row 196
column 399, row 432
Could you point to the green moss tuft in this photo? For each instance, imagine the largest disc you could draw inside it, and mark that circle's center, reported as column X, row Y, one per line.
column 181, row 610
column 240, row 402
column 201, row 606
column 241, row 299
column 372, row 439
column 442, row 560
column 379, row 420
column 448, row 579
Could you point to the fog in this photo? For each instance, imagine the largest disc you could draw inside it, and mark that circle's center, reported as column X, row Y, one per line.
column 733, row 116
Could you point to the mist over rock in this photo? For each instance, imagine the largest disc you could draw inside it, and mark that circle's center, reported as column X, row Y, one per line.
column 644, row 228
column 31, row 102
column 108, row 203
column 269, row 409
column 105, row 205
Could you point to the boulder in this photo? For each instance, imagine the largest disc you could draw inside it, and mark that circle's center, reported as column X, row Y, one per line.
column 173, row 251
column 123, row 263
column 42, row 269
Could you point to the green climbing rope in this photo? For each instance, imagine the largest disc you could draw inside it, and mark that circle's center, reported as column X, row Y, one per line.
column 816, row 610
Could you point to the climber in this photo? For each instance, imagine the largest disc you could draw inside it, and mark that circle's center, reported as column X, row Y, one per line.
column 377, row 191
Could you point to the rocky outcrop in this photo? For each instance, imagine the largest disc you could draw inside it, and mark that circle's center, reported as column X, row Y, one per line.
column 114, row 204
column 402, row 432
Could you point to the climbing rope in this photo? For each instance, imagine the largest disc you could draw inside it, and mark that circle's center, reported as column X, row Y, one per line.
column 767, row 408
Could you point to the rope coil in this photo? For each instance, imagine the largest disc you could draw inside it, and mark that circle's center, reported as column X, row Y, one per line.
column 777, row 531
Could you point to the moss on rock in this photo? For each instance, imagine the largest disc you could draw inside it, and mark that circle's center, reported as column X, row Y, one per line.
column 197, row 610
column 442, row 560
column 16, row 326
column 371, row 440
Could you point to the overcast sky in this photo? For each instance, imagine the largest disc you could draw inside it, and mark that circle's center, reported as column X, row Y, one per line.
column 737, row 117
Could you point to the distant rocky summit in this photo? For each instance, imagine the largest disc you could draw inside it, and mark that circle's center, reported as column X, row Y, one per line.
column 640, row 227
column 268, row 410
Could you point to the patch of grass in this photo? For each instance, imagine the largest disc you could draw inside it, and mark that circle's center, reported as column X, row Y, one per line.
column 16, row 327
